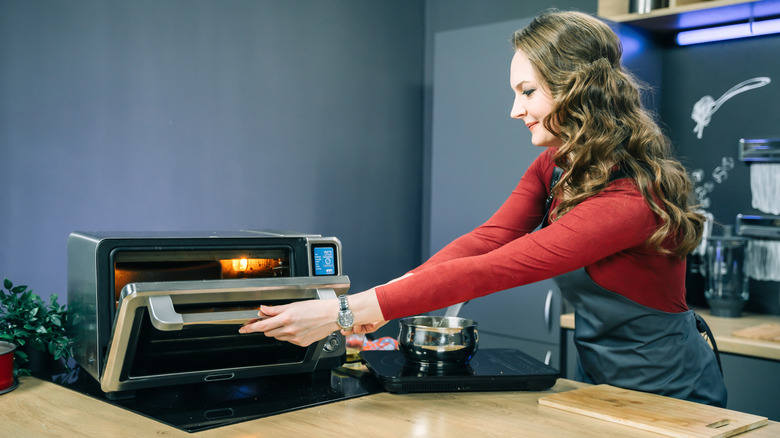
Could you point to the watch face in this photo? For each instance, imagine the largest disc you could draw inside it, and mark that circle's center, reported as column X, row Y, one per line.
column 346, row 319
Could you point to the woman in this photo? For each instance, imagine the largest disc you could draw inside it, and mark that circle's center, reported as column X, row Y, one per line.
column 615, row 234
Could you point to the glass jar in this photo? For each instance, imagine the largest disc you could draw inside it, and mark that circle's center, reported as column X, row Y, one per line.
column 727, row 285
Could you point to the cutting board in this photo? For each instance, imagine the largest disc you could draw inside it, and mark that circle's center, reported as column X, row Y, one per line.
column 765, row 332
column 655, row 413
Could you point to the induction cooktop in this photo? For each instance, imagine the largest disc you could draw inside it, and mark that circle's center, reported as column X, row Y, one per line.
column 488, row 370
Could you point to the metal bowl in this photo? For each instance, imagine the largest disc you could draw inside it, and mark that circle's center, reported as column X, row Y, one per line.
column 438, row 340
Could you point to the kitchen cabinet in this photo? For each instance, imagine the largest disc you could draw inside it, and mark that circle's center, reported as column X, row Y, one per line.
column 753, row 384
column 524, row 318
column 686, row 14
column 542, row 351
column 568, row 353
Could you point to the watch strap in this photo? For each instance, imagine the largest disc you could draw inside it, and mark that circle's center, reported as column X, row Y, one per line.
column 343, row 303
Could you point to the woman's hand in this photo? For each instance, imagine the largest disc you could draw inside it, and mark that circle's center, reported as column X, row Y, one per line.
column 306, row 322
column 301, row 323
column 364, row 328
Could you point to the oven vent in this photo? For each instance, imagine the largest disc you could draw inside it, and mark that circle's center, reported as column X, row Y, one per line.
column 765, row 150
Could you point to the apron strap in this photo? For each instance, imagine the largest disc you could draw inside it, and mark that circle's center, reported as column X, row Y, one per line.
column 703, row 328
column 556, row 175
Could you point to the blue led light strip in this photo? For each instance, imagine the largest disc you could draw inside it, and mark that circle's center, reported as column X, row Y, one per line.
column 729, row 32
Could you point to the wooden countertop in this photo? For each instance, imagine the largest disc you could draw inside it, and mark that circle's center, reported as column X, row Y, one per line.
column 43, row 409
column 723, row 329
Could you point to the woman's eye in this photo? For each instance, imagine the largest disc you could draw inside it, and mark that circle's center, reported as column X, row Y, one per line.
column 529, row 92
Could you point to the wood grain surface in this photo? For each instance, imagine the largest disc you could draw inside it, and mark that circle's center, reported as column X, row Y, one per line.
column 42, row 409
column 766, row 332
column 655, row 413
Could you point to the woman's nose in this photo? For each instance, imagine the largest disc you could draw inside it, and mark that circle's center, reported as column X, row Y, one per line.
column 518, row 109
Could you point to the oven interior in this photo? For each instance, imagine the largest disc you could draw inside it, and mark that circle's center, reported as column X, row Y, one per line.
column 135, row 266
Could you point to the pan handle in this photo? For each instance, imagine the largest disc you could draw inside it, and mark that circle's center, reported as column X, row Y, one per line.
column 165, row 318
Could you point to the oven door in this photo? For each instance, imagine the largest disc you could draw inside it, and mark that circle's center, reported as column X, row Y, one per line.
column 168, row 333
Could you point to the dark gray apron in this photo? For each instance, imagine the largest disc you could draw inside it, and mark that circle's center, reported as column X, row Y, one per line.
column 625, row 344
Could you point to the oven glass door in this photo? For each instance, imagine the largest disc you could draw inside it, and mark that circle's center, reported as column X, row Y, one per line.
column 186, row 332
column 203, row 347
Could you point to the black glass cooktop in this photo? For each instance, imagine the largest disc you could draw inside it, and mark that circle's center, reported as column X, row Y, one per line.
column 488, row 370
column 201, row 406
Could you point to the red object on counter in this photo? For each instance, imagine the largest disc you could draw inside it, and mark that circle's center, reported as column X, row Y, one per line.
column 7, row 382
column 385, row 343
column 361, row 343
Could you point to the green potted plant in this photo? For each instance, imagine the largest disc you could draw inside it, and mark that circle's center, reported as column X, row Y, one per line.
column 34, row 326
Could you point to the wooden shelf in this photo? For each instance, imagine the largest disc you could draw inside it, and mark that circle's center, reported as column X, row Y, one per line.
column 688, row 14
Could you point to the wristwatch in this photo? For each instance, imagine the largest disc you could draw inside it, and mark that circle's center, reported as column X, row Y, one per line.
column 346, row 319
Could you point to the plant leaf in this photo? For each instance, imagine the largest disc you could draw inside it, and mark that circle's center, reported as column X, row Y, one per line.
column 26, row 319
column 20, row 333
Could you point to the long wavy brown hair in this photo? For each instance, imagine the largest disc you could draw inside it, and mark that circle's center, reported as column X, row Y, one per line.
column 598, row 114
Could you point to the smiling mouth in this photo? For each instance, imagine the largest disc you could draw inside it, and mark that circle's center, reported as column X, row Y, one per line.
column 531, row 125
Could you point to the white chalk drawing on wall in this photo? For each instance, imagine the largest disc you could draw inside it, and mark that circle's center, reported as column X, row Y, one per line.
column 702, row 189
column 706, row 106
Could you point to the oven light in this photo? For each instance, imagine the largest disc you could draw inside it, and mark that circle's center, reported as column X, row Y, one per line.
column 240, row 265
column 244, row 267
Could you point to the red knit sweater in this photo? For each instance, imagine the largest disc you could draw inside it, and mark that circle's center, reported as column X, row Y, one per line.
column 606, row 234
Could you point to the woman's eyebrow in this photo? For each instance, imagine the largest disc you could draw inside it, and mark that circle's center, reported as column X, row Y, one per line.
column 520, row 84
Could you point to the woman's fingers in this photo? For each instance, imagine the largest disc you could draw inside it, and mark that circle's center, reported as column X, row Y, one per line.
column 301, row 323
column 364, row 328
column 263, row 321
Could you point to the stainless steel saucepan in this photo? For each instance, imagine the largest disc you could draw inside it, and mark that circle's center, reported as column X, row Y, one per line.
column 438, row 340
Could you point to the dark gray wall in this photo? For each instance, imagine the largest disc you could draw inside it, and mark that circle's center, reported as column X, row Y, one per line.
column 693, row 72
column 210, row 115
column 689, row 74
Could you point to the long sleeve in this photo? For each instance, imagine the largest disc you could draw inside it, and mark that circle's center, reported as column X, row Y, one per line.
column 606, row 234
column 520, row 214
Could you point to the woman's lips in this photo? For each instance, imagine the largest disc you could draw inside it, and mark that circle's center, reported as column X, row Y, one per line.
column 531, row 125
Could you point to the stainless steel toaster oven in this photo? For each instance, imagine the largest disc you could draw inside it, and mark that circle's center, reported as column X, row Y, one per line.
column 158, row 309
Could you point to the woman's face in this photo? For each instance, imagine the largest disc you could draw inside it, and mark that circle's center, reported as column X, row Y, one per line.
column 532, row 101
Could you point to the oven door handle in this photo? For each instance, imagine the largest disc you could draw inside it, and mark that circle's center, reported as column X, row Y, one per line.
column 165, row 318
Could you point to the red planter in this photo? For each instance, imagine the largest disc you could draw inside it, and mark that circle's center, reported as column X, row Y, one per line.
column 7, row 381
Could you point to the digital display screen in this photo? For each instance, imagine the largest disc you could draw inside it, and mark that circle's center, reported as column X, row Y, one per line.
column 324, row 260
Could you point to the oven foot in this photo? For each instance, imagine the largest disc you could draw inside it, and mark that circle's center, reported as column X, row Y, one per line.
column 121, row 395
